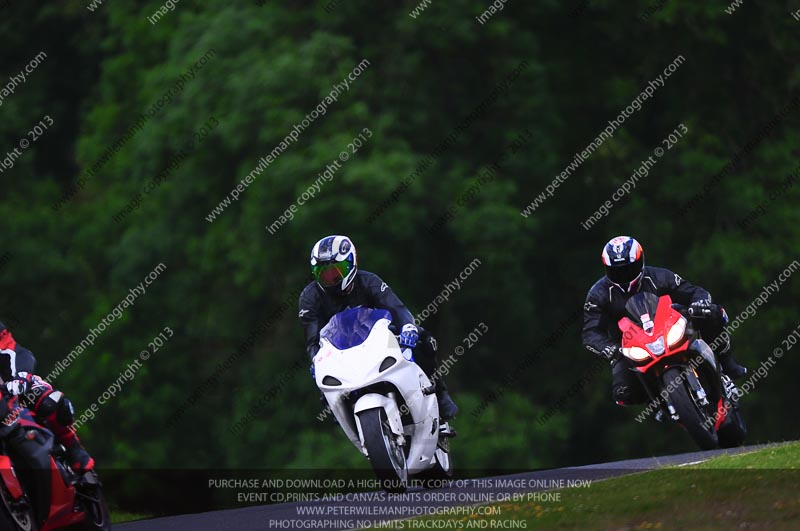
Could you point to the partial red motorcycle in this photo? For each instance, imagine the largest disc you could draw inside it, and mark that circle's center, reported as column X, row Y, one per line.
column 680, row 372
column 75, row 499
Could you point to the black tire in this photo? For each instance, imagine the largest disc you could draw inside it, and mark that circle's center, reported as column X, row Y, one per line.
column 98, row 517
column 433, row 477
column 11, row 523
column 387, row 459
column 693, row 417
column 733, row 432
column 443, row 468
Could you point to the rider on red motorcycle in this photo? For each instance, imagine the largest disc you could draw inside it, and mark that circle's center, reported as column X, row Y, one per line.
column 625, row 276
column 51, row 408
column 27, row 446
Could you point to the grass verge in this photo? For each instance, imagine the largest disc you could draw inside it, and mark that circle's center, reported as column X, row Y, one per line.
column 757, row 490
column 118, row 517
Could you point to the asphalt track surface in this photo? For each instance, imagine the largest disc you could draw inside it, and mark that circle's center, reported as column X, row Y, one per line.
column 364, row 508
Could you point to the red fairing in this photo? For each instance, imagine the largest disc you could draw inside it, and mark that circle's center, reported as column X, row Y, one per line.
column 61, row 502
column 634, row 335
column 9, row 477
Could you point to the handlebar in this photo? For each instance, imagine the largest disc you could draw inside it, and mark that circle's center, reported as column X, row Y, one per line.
column 692, row 313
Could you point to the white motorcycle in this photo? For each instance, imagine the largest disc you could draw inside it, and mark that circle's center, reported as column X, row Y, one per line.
column 383, row 401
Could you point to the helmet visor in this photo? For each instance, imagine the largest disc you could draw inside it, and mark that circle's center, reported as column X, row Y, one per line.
column 330, row 274
column 625, row 274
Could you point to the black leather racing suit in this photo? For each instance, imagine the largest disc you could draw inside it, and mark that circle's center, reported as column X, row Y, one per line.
column 317, row 306
column 605, row 305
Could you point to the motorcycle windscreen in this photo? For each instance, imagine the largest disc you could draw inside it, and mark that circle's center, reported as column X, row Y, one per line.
column 641, row 309
column 352, row 326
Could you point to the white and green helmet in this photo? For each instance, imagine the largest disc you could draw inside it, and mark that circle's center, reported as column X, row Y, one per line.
column 334, row 263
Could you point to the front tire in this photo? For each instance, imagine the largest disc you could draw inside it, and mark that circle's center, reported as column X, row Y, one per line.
column 692, row 416
column 386, row 456
column 98, row 517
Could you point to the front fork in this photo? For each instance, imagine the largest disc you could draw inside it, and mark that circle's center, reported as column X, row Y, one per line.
column 723, row 386
column 698, row 393
column 665, row 406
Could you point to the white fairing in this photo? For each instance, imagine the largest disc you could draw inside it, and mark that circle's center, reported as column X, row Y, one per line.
column 357, row 368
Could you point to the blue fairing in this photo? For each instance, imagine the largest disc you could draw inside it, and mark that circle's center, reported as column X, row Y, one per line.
column 351, row 327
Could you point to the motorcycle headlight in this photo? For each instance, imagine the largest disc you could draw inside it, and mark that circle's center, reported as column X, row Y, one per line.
column 675, row 333
column 635, row 353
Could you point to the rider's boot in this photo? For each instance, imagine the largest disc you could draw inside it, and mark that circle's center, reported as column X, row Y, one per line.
column 730, row 366
column 77, row 456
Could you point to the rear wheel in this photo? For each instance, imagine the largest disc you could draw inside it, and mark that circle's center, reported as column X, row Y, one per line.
column 386, row 456
column 693, row 417
column 733, row 431
column 442, row 469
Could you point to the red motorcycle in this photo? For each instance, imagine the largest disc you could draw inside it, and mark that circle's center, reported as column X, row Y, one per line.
column 680, row 372
column 75, row 499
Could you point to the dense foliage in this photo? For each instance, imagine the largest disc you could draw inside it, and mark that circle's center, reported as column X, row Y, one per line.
column 440, row 88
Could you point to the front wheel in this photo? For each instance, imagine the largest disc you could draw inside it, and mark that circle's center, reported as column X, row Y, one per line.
column 692, row 416
column 98, row 517
column 386, row 456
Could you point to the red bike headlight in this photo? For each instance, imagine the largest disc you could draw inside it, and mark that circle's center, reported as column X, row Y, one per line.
column 635, row 353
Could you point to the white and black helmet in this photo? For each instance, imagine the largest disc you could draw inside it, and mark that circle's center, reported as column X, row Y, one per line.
column 334, row 264
column 623, row 257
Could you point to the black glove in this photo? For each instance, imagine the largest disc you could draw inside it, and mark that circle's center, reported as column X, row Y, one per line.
column 612, row 353
column 701, row 308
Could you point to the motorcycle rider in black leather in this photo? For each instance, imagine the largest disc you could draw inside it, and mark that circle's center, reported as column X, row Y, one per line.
column 625, row 276
column 339, row 284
